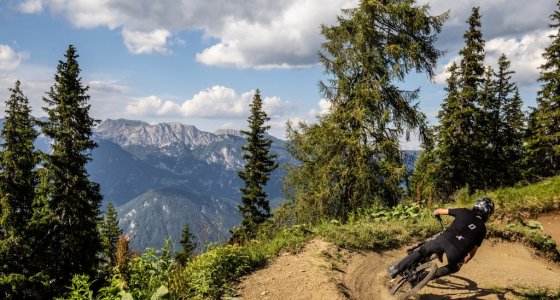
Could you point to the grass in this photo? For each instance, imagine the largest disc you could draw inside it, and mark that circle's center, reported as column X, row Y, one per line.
column 213, row 274
column 522, row 202
column 542, row 294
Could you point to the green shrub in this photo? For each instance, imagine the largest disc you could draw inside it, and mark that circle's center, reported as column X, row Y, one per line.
column 211, row 275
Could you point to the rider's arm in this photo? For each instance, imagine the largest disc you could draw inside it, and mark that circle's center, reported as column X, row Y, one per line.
column 471, row 254
column 441, row 211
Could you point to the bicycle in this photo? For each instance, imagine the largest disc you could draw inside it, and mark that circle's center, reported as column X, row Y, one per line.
column 420, row 273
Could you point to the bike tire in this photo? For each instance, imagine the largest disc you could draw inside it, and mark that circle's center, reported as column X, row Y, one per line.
column 430, row 267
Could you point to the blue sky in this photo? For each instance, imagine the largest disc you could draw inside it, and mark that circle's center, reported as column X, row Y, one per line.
column 198, row 62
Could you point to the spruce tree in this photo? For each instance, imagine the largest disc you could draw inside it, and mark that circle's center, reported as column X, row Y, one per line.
column 18, row 181
column 450, row 138
column 508, row 128
column 463, row 145
column 514, row 152
column 188, row 243
column 73, row 198
column 543, row 141
column 109, row 233
column 471, row 159
column 255, row 208
column 352, row 157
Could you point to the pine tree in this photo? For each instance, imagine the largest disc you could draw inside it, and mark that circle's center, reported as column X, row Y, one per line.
column 255, row 208
column 109, row 233
column 543, row 142
column 352, row 158
column 514, row 130
column 450, row 138
column 18, row 180
column 463, row 146
column 508, row 128
column 74, row 199
column 488, row 125
column 471, row 159
column 188, row 242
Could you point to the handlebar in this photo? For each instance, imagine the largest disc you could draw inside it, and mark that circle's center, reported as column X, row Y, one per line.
column 438, row 217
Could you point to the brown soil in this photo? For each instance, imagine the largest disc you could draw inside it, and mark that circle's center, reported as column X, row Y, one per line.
column 499, row 270
column 551, row 224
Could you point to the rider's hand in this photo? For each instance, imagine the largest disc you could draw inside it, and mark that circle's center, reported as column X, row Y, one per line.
column 436, row 215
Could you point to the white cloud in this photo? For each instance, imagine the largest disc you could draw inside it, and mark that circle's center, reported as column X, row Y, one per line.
column 139, row 42
column 215, row 102
column 324, row 108
column 525, row 54
column 106, row 87
column 10, row 59
column 31, row 6
column 150, row 106
column 251, row 34
column 291, row 39
column 88, row 13
column 442, row 72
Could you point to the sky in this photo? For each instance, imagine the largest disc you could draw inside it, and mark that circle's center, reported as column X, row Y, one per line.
column 199, row 62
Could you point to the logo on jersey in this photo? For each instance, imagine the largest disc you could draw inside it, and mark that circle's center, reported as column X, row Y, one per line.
column 472, row 227
column 459, row 237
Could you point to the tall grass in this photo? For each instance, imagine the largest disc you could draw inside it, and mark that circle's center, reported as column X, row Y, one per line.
column 522, row 202
column 214, row 273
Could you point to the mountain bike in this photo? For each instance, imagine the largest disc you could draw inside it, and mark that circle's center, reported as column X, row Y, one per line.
column 417, row 275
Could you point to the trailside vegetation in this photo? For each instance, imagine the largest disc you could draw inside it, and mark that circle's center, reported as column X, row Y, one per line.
column 255, row 208
column 346, row 188
column 543, row 138
column 73, row 199
column 109, row 231
column 19, row 272
column 479, row 142
column 351, row 157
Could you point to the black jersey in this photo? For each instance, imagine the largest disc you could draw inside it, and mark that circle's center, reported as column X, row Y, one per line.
column 466, row 231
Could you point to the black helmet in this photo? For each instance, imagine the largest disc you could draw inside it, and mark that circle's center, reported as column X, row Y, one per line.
column 484, row 207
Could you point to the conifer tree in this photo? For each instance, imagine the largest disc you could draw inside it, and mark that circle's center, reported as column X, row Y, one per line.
column 515, row 128
column 109, row 233
column 471, row 158
column 73, row 198
column 352, row 158
column 18, row 181
column 255, row 208
column 543, row 142
column 464, row 119
column 188, row 243
column 508, row 128
column 450, row 139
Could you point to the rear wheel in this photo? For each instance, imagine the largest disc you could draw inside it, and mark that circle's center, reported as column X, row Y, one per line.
column 423, row 274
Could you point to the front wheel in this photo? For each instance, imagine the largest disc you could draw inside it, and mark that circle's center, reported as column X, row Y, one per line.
column 422, row 275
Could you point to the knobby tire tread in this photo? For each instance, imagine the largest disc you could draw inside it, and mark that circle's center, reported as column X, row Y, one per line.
column 430, row 266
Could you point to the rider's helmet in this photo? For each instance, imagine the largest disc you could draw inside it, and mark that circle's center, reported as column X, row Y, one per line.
column 484, row 207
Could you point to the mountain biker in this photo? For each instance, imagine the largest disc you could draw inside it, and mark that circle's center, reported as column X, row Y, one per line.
column 459, row 241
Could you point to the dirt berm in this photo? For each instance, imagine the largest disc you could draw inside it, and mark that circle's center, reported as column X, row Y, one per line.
column 500, row 270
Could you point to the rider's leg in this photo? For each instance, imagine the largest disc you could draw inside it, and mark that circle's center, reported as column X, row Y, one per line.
column 433, row 246
column 446, row 270
column 411, row 258
column 454, row 263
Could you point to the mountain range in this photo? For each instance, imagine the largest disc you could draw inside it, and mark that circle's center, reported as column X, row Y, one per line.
column 164, row 175
column 161, row 176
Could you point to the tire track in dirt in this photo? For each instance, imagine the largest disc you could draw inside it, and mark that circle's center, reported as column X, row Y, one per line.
column 500, row 270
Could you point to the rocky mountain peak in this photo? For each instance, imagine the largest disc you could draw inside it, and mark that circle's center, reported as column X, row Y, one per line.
column 233, row 132
column 128, row 133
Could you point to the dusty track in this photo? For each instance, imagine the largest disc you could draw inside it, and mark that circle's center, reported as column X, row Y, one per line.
column 500, row 270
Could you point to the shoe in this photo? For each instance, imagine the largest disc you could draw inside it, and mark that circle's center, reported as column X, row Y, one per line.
column 393, row 271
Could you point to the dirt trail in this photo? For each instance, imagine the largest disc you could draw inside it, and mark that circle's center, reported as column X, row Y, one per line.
column 499, row 270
